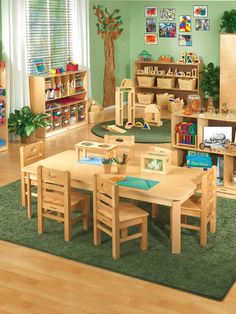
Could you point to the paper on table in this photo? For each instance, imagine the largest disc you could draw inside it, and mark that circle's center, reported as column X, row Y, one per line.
column 138, row 183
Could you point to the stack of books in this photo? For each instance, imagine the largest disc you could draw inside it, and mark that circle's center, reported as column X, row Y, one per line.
column 198, row 160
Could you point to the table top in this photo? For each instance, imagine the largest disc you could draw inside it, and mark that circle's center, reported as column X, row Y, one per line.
column 178, row 184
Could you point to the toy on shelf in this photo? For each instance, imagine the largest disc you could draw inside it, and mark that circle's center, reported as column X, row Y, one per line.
column 114, row 128
column 210, row 105
column 2, row 112
column 129, row 125
column 189, row 57
column 96, row 111
column 126, row 87
column 72, row 66
column 175, row 105
column 144, row 56
column 193, row 104
column 138, row 124
column 165, row 59
column 158, row 161
column 152, row 115
column 224, row 109
column 186, row 133
column 146, row 127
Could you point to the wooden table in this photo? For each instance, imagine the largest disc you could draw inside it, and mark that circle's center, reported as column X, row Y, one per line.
column 108, row 150
column 174, row 188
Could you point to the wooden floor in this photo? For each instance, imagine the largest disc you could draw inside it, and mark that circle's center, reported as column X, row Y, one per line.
column 36, row 282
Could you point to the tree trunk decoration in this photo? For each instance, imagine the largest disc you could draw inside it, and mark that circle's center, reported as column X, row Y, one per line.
column 108, row 27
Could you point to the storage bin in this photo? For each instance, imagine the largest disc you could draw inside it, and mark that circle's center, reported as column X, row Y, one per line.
column 146, row 81
column 187, row 84
column 145, row 98
column 163, row 100
column 166, row 82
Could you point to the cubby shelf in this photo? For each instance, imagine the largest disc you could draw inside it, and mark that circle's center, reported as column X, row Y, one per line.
column 56, row 93
column 3, row 109
column 202, row 120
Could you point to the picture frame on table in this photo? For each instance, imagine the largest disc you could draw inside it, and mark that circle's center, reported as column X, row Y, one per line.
column 202, row 24
column 150, row 11
column 150, row 39
column 200, row 11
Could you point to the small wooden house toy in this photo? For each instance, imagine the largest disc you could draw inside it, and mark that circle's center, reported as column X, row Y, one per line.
column 144, row 56
column 158, row 161
column 152, row 115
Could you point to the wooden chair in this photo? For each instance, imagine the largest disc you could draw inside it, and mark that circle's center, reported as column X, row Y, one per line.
column 57, row 201
column 125, row 144
column 28, row 155
column 202, row 206
column 114, row 218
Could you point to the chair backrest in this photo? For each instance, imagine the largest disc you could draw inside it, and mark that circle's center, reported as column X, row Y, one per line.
column 106, row 196
column 209, row 190
column 31, row 153
column 54, row 189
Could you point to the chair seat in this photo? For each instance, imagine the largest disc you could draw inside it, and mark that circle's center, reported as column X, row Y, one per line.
column 76, row 198
column 192, row 205
column 127, row 212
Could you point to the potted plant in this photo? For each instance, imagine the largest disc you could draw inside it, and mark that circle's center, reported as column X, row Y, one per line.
column 228, row 21
column 25, row 123
column 210, row 82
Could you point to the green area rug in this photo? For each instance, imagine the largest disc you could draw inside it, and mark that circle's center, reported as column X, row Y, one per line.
column 208, row 271
column 155, row 135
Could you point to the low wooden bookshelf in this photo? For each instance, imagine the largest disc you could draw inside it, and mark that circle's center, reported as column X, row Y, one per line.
column 63, row 97
column 228, row 189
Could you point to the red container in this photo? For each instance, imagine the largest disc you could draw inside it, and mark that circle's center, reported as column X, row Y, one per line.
column 72, row 67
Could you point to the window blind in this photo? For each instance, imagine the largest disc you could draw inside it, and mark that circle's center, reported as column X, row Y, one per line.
column 49, row 32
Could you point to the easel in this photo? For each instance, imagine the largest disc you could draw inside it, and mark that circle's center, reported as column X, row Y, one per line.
column 126, row 87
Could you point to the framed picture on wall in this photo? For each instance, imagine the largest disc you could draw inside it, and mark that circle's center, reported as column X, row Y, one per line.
column 150, row 39
column 185, row 23
column 202, row 24
column 200, row 11
column 167, row 14
column 167, row 30
column 151, row 25
column 185, row 40
column 150, row 11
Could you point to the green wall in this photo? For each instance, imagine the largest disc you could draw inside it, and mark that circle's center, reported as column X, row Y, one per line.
column 131, row 42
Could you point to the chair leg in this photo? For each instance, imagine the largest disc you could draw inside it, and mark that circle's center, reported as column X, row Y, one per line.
column 86, row 214
column 213, row 222
column 115, row 243
column 96, row 233
column 29, row 199
column 170, row 223
column 144, row 238
column 124, row 233
column 155, row 212
column 40, row 221
column 67, row 227
column 203, row 232
column 23, row 190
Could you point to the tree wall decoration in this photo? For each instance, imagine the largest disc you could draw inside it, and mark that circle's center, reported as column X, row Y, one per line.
column 109, row 28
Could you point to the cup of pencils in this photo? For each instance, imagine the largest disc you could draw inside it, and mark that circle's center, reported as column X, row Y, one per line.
column 121, row 164
column 107, row 163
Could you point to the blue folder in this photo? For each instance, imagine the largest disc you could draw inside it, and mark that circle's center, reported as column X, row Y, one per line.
column 91, row 160
column 137, row 183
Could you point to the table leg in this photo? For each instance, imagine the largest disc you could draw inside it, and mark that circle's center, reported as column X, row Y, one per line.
column 155, row 211
column 176, row 227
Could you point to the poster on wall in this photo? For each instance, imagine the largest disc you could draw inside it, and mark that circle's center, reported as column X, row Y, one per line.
column 151, row 26
column 167, row 14
column 150, row 11
column 200, row 11
column 202, row 24
column 185, row 40
column 185, row 23
column 150, row 39
column 167, row 30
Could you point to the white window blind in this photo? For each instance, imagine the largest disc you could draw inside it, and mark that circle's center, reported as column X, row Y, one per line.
column 49, row 32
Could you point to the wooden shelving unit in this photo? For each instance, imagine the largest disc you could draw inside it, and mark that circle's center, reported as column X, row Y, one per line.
column 63, row 97
column 3, row 108
column 176, row 90
column 228, row 189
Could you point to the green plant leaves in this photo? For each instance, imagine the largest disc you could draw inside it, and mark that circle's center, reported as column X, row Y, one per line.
column 210, row 83
column 228, row 21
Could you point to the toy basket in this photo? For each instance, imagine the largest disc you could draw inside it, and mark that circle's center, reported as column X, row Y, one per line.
column 166, row 82
column 146, row 81
column 163, row 100
column 188, row 84
column 145, row 98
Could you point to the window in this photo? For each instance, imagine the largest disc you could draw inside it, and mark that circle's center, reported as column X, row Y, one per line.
column 49, row 32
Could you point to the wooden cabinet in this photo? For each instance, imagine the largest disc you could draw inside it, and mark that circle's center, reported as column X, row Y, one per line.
column 229, row 158
column 158, row 74
column 228, row 69
column 63, row 97
column 3, row 109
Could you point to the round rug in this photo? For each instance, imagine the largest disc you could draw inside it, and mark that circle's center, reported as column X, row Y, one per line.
column 159, row 134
